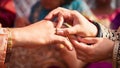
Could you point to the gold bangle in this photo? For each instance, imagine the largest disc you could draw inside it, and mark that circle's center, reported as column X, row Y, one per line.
column 10, row 42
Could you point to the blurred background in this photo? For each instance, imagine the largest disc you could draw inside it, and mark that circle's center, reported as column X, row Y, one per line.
column 20, row 13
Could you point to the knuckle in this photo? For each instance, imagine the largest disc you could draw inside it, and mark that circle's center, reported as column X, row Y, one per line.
column 75, row 11
column 83, row 59
column 59, row 8
column 90, row 53
column 79, row 58
column 67, row 31
column 64, row 40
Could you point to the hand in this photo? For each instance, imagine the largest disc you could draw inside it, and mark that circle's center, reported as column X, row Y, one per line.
column 69, row 57
column 81, row 26
column 40, row 33
column 100, row 49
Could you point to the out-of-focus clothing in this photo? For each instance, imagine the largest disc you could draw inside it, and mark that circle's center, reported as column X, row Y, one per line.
column 7, row 17
column 38, row 12
column 115, row 20
column 23, row 7
column 7, row 13
column 3, row 46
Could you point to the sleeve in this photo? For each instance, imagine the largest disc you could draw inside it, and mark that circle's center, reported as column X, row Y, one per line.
column 113, row 35
column 3, row 47
column 110, row 34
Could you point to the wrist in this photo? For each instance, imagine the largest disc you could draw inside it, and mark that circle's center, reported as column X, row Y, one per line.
column 99, row 31
column 16, row 36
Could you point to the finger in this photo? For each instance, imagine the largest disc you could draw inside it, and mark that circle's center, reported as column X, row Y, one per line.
column 81, row 46
column 88, row 40
column 52, row 14
column 63, row 50
column 71, row 30
column 55, row 24
column 64, row 41
column 60, row 20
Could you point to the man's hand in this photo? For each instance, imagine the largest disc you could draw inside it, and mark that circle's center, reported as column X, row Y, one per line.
column 40, row 33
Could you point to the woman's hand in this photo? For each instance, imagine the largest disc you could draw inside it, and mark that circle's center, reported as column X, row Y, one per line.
column 93, row 49
column 80, row 25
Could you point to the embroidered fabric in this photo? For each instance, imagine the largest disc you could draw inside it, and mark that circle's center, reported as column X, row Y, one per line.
column 3, row 47
column 115, row 36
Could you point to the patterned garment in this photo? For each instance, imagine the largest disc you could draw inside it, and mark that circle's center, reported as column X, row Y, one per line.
column 113, row 35
column 3, row 47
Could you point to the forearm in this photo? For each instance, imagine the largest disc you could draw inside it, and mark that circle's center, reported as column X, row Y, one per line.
column 21, row 38
column 114, row 36
column 16, row 36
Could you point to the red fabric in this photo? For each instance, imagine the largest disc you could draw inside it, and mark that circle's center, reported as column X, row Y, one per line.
column 7, row 13
column 8, row 4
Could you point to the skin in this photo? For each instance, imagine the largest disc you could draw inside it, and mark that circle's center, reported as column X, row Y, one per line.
column 74, row 18
column 85, row 33
column 99, row 49
column 36, row 35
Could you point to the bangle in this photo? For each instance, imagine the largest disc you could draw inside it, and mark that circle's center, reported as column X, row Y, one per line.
column 10, row 42
column 99, row 33
column 116, row 54
column 9, row 45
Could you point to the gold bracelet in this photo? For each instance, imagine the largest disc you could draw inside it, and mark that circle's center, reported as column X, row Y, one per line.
column 10, row 42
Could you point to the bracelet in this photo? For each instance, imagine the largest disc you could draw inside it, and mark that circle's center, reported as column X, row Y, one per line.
column 10, row 42
column 99, row 33
column 116, row 54
column 9, row 45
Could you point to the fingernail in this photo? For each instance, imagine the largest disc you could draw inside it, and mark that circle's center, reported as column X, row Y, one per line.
column 60, row 31
column 71, row 48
